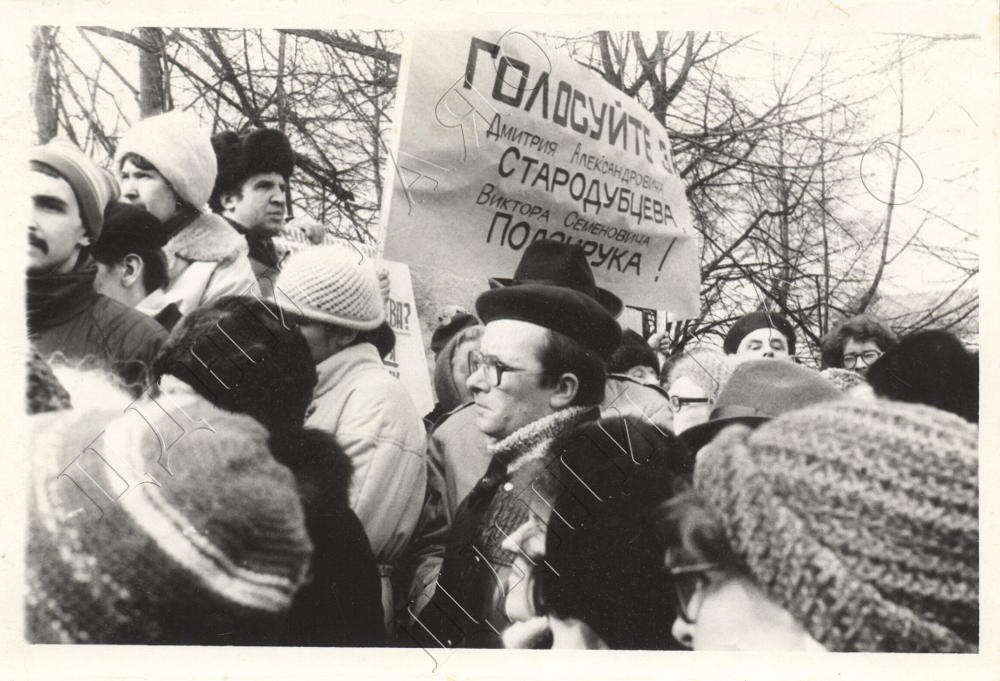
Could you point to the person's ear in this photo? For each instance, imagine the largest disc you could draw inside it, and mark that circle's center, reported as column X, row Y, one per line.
column 228, row 200
column 564, row 392
column 340, row 337
column 131, row 272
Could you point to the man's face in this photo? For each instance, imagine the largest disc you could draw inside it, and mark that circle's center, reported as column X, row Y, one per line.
column 854, row 354
column 260, row 203
column 520, row 398
column 765, row 342
column 55, row 228
column 149, row 190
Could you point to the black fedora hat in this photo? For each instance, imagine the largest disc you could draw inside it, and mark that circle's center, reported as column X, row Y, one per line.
column 757, row 391
column 555, row 263
column 558, row 308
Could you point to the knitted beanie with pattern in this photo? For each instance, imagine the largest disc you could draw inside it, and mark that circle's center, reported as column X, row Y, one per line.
column 332, row 285
column 197, row 538
column 860, row 519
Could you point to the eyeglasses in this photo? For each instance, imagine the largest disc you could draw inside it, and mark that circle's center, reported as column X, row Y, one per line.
column 678, row 403
column 851, row 360
column 688, row 580
column 493, row 367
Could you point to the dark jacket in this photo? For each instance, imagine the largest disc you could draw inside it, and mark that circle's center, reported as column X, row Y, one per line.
column 66, row 315
column 475, row 568
column 458, row 456
column 341, row 602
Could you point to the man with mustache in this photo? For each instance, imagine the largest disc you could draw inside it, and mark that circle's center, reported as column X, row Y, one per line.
column 69, row 194
column 249, row 192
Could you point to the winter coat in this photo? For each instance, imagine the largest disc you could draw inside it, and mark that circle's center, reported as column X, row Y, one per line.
column 206, row 260
column 458, row 457
column 159, row 308
column 341, row 602
column 475, row 568
column 66, row 314
column 374, row 421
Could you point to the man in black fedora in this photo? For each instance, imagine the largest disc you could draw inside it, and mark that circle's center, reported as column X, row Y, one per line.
column 459, row 447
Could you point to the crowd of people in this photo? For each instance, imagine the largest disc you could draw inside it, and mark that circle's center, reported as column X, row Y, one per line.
column 220, row 456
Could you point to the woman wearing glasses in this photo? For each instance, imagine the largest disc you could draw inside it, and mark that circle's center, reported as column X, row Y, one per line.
column 840, row 526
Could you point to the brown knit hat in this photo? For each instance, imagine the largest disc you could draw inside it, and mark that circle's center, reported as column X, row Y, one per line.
column 121, row 551
column 860, row 519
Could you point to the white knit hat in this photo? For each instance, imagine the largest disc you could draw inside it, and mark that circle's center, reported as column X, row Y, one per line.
column 333, row 285
column 180, row 149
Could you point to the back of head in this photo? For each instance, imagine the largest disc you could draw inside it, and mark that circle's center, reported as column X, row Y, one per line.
column 861, row 328
column 238, row 353
column 930, row 367
column 858, row 518
column 331, row 285
column 606, row 570
column 633, row 352
column 129, row 230
column 207, row 547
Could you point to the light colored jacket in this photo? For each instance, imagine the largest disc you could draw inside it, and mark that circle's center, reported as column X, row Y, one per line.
column 206, row 260
column 374, row 421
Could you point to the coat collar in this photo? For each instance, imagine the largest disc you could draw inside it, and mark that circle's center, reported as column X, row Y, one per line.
column 335, row 369
column 207, row 238
column 55, row 298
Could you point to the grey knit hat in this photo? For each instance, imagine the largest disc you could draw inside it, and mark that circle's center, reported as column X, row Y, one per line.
column 860, row 519
column 707, row 367
column 842, row 379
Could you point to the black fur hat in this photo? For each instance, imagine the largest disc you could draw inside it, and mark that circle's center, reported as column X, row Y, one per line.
column 240, row 156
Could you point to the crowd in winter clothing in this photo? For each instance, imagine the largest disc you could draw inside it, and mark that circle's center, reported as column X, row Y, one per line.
column 220, row 456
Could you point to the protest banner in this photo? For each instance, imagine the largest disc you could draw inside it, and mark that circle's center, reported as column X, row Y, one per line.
column 503, row 141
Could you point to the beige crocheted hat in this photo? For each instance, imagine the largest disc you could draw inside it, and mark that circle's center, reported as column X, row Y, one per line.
column 333, row 285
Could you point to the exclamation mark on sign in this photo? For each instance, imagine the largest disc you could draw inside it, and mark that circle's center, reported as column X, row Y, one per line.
column 663, row 260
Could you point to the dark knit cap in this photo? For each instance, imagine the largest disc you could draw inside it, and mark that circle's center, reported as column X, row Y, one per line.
column 930, row 367
column 758, row 320
column 195, row 536
column 128, row 229
column 860, row 519
column 560, row 309
column 446, row 332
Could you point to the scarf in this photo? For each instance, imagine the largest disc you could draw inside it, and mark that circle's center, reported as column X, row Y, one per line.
column 262, row 248
column 53, row 299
